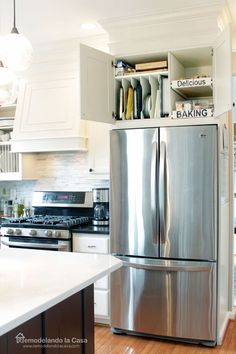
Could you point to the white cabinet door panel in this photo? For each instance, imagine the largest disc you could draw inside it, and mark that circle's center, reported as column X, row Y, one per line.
column 96, row 85
column 99, row 147
column 102, row 283
column 101, row 303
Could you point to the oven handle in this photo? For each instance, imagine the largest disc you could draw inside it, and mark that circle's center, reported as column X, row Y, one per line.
column 35, row 245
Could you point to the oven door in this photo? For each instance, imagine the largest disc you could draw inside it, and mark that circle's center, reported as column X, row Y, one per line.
column 36, row 243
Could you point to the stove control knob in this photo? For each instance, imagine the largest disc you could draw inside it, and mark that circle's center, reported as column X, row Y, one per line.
column 48, row 233
column 57, row 234
column 18, row 232
column 33, row 233
column 10, row 231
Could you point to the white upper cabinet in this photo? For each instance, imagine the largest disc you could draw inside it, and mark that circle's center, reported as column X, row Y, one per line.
column 48, row 110
column 222, row 75
column 96, row 85
column 70, row 83
column 194, row 83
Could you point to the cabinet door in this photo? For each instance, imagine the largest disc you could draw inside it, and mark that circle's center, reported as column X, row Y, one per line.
column 101, row 303
column 64, row 320
column 222, row 79
column 99, row 147
column 3, row 344
column 31, row 329
column 96, row 85
column 102, row 283
column 89, row 244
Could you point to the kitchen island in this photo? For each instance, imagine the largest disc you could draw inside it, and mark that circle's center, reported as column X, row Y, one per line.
column 46, row 300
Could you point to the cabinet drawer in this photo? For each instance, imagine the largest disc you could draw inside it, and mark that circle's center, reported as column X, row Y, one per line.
column 101, row 283
column 101, row 303
column 90, row 244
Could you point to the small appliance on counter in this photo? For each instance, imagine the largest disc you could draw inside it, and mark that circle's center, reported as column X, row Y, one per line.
column 101, row 206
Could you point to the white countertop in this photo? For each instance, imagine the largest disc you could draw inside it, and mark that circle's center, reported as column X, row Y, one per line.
column 32, row 281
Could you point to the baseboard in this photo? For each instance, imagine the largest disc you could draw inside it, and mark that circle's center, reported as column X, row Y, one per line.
column 233, row 314
column 99, row 324
column 99, row 320
column 230, row 316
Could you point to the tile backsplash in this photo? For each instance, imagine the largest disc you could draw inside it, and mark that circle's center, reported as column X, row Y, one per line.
column 55, row 171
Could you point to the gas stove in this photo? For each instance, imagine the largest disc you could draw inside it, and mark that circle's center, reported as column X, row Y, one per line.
column 55, row 214
column 50, row 220
column 43, row 226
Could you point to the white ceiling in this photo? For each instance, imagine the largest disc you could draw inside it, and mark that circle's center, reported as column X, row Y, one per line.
column 49, row 20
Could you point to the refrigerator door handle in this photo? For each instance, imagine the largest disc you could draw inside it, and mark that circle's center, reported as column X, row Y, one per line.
column 168, row 268
column 162, row 192
column 153, row 187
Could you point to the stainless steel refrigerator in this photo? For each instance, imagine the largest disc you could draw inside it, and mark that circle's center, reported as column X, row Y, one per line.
column 164, row 228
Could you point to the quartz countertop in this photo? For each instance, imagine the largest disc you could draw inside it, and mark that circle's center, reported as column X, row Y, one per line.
column 32, row 281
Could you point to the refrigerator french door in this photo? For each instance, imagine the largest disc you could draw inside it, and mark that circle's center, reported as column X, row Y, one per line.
column 163, row 226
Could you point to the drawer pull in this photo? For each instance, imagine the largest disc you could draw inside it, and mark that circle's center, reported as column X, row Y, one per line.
column 91, row 246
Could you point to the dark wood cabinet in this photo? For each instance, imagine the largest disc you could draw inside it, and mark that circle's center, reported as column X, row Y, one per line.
column 66, row 328
column 72, row 321
column 30, row 330
column 65, row 322
column 88, row 319
column 3, row 344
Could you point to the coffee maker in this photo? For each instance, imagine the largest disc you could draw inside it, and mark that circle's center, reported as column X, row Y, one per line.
column 101, row 206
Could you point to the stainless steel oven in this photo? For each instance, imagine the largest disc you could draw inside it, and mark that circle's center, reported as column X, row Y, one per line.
column 50, row 228
column 36, row 243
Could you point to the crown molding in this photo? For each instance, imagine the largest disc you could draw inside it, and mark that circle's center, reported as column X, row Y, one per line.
column 181, row 27
column 156, row 37
column 177, row 15
column 160, row 44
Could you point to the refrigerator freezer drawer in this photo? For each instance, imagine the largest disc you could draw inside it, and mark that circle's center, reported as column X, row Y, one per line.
column 165, row 298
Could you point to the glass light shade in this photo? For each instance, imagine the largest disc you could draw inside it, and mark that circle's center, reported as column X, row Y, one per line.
column 16, row 52
column 8, row 86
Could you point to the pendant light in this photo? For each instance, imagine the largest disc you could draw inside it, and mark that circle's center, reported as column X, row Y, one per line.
column 16, row 51
column 8, row 86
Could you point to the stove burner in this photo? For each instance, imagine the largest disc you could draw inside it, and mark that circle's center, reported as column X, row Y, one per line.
column 65, row 221
column 17, row 220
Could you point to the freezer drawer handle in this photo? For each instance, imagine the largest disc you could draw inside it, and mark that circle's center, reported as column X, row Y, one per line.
column 176, row 268
column 35, row 245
